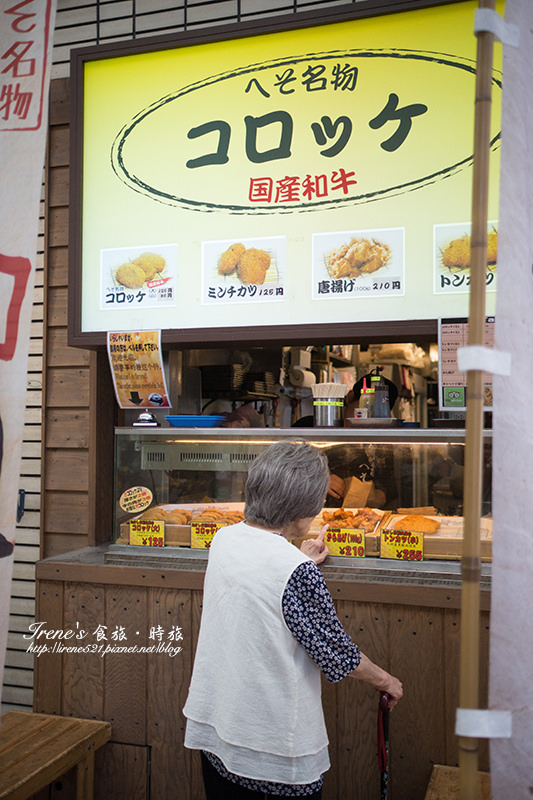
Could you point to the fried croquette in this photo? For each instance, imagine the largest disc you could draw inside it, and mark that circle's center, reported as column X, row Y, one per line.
column 130, row 275
column 253, row 265
column 178, row 517
column 227, row 263
column 151, row 261
column 156, row 512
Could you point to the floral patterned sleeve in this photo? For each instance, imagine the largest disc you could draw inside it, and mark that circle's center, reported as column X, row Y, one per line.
column 310, row 616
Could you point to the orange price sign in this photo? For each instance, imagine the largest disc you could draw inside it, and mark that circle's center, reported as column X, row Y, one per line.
column 202, row 534
column 147, row 532
column 402, row 545
column 347, row 542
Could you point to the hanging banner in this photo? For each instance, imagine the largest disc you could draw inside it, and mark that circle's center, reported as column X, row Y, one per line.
column 511, row 624
column 318, row 175
column 25, row 51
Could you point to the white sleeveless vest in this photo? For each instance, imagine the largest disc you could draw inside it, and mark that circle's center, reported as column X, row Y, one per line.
column 254, row 689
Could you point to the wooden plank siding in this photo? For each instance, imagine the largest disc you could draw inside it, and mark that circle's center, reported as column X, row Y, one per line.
column 65, row 453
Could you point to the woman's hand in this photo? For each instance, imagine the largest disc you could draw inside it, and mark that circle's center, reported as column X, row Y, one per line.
column 394, row 690
column 382, row 681
column 315, row 548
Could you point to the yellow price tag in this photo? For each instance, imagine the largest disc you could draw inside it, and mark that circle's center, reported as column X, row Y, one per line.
column 147, row 532
column 347, row 542
column 402, row 545
column 202, row 534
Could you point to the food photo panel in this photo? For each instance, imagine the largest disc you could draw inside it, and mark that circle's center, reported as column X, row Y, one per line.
column 241, row 271
column 363, row 263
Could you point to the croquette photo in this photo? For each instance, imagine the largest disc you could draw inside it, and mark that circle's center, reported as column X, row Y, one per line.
column 151, row 263
column 130, row 275
column 146, row 267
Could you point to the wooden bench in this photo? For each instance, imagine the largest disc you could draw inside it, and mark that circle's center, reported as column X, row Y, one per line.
column 36, row 749
column 444, row 784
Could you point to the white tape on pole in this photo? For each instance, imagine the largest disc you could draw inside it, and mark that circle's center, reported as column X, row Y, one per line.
column 476, row 357
column 487, row 20
column 479, row 723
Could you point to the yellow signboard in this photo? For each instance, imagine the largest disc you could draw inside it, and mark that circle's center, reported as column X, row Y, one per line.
column 322, row 174
column 348, row 542
column 202, row 534
column 147, row 532
column 402, row 545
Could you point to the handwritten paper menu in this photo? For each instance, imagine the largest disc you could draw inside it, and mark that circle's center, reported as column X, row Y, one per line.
column 453, row 333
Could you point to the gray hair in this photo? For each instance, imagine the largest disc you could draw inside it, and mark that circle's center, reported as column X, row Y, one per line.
column 286, row 482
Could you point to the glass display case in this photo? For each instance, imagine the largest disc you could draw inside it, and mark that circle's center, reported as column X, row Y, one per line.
column 178, row 474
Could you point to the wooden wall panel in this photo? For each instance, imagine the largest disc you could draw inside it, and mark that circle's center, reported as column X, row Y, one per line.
column 48, row 667
column 67, row 512
column 68, row 428
column 59, row 146
column 167, row 684
column 57, row 306
column 195, row 779
column 66, row 470
column 67, row 388
column 57, row 272
column 58, row 227
column 83, row 673
column 418, row 724
column 57, row 543
column 367, row 625
column 77, row 463
column 58, row 186
column 125, row 700
column 122, row 772
column 60, row 355
column 67, row 520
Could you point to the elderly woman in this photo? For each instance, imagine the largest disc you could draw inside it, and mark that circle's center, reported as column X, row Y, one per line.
column 268, row 629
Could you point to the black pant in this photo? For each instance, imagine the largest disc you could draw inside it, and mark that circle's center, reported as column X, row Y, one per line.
column 219, row 788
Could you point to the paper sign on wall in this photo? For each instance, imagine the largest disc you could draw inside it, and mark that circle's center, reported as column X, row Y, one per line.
column 137, row 369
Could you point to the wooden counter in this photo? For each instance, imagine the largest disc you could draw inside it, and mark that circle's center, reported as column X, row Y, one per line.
column 407, row 619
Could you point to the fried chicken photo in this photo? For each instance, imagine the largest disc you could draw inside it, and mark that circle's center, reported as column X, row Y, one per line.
column 359, row 257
